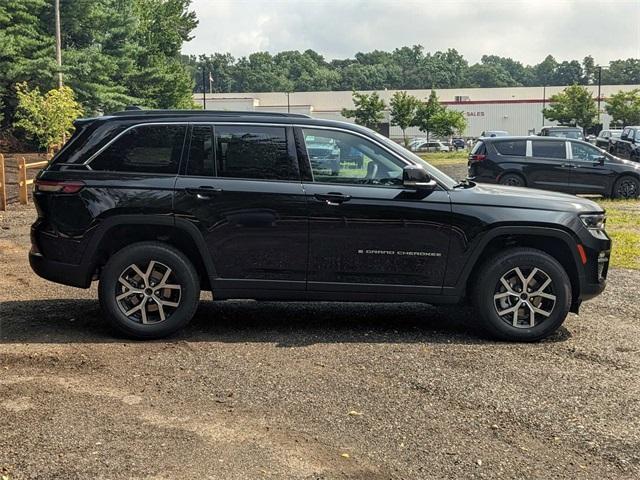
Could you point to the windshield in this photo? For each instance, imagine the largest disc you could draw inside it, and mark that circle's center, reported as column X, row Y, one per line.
column 433, row 172
column 616, row 134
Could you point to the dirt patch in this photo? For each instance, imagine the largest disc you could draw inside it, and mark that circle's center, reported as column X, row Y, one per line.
column 265, row 389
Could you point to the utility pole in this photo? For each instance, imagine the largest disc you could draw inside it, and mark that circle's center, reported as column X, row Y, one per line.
column 599, row 85
column 58, row 43
column 204, row 91
column 544, row 101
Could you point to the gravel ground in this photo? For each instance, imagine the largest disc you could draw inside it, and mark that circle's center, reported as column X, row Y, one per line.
column 310, row 391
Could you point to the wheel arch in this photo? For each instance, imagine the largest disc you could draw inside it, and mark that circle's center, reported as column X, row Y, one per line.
column 557, row 243
column 117, row 232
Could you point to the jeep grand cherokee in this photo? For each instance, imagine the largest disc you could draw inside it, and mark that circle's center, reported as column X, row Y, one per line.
column 159, row 205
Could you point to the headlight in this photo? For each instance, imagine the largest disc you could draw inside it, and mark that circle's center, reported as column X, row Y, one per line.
column 594, row 221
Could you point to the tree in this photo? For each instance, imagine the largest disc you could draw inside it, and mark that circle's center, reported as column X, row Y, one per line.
column 47, row 118
column 368, row 109
column 403, row 110
column 26, row 51
column 425, row 113
column 573, row 106
column 624, row 107
column 446, row 123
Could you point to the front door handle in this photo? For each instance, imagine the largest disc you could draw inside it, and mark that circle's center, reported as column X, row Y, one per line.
column 568, row 165
column 332, row 198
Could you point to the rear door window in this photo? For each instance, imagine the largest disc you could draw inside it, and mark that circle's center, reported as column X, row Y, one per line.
column 144, row 149
column 517, row 148
column 548, row 149
column 201, row 152
column 256, row 152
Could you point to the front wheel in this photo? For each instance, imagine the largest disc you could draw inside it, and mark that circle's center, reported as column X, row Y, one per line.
column 522, row 294
column 149, row 290
column 626, row 187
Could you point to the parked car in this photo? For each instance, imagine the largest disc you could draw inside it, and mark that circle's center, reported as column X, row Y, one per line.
column 324, row 156
column 564, row 132
column 459, row 143
column 494, row 133
column 430, row 146
column 550, row 163
column 628, row 145
column 603, row 140
column 159, row 205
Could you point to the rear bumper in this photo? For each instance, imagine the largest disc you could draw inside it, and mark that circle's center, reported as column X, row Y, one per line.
column 64, row 273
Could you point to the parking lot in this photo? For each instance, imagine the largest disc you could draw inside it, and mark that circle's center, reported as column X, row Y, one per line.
column 272, row 390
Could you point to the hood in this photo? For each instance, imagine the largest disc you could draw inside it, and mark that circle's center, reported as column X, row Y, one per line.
column 628, row 164
column 520, row 197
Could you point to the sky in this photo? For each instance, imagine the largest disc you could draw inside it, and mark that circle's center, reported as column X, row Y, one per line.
column 526, row 30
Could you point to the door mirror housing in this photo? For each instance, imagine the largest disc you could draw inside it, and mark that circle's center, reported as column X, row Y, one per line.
column 600, row 160
column 417, row 178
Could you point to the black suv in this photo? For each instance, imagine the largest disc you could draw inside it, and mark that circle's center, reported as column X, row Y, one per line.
column 158, row 205
column 563, row 165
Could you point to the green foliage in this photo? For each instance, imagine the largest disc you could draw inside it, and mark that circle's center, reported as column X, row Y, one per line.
column 114, row 52
column 432, row 117
column 446, row 123
column 573, row 106
column 46, row 118
column 403, row 110
column 401, row 69
column 624, row 107
column 425, row 112
column 368, row 111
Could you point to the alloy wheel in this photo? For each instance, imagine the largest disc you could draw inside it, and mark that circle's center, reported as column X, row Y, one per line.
column 627, row 189
column 148, row 295
column 524, row 297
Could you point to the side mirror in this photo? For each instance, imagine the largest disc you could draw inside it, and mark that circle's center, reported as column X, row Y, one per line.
column 601, row 160
column 416, row 178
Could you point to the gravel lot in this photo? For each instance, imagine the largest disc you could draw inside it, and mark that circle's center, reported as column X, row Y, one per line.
column 310, row 391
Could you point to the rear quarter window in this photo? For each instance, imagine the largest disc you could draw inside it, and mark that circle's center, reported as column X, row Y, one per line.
column 517, row 148
column 478, row 148
column 144, row 149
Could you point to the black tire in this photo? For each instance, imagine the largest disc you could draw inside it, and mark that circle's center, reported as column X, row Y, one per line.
column 626, row 187
column 513, row 180
column 488, row 283
column 182, row 289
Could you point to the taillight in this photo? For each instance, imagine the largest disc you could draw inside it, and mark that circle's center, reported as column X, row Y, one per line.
column 477, row 158
column 58, row 187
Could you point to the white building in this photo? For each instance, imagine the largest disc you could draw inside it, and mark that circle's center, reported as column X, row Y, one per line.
column 517, row 110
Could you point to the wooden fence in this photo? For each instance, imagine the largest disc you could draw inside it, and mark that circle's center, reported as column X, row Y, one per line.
column 23, row 181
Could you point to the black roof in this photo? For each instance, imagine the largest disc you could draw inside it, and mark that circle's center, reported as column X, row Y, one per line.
column 528, row 137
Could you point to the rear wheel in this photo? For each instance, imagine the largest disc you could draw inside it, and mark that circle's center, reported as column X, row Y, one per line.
column 626, row 187
column 513, row 180
column 149, row 290
column 522, row 294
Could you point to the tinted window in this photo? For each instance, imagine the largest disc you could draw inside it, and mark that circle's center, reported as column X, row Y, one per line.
column 585, row 152
column 254, row 152
column 201, row 153
column 516, row 148
column 478, row 148
column 548, row 149
column 631, row 134
column 145, row 148
column 340, row 157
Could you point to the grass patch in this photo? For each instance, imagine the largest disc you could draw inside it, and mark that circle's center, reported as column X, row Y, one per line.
column 446, row 158
column 623, row 226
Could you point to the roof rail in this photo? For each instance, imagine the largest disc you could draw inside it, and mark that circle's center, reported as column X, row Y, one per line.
column 220, row 113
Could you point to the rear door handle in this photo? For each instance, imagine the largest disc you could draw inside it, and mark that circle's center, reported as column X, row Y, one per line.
column 332, row 198
column 203, row 191
column 568, row 165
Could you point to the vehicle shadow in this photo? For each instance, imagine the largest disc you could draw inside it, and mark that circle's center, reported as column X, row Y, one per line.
column 287, row 324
